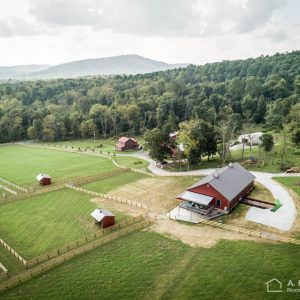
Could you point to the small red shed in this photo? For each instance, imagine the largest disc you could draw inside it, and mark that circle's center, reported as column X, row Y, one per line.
column 103, row 217
column 125, row 143
column 43, row 179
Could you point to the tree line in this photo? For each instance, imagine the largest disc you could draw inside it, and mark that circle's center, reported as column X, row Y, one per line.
column 217, row 99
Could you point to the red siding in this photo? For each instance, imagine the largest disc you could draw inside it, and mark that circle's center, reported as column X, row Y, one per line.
column 208, row 190
column 107, row 221
column 45, row 181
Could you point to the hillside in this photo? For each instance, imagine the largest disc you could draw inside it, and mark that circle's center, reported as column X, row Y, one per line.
column 15, row 72
column 115, row 65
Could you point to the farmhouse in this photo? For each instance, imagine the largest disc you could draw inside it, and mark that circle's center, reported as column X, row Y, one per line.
column 125, row 143
column 219, row 192
column 103, row 217
column 43, row 179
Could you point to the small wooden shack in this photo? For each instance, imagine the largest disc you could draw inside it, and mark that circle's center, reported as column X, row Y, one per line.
column 103, row 217
column 43, row 179
column 125, row 143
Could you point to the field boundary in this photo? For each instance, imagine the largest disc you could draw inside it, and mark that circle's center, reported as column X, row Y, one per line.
column 3, row 271
column 105, row 196
column 8, row 189
column 60, row 185
column 13, row 252
column 83, row 241
column 62, row 258
column 250, row 232
column 20, row 188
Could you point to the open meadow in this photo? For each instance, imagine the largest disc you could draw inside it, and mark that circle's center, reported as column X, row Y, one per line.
column 147, row 265
column 36, row 225
column 21, row 164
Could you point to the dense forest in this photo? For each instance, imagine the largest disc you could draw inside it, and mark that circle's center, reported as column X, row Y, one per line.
column 263, row 90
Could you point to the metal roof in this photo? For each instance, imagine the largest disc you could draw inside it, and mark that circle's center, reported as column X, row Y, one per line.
column 228, row 181
column 41, row 176
column 195, row 197
column 99, row 213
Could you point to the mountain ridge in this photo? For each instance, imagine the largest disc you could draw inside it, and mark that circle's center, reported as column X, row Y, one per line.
column 130, row 64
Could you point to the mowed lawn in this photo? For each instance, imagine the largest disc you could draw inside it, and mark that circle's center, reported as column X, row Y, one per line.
column 21, row 164
column 41, row 223
column 110, row 183
column 147, row 265
column 290, row 182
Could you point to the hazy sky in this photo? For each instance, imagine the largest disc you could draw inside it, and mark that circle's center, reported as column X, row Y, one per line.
column 174, row 31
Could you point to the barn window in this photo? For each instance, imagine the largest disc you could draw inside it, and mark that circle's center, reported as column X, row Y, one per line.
column 218, row 204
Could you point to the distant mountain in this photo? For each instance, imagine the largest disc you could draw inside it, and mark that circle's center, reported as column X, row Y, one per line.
column 116, row 65
column 17, row 72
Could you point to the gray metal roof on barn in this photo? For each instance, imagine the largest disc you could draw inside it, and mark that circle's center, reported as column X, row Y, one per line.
column 228, row 181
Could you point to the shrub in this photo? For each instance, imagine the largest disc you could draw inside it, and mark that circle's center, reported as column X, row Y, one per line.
column 297, row 151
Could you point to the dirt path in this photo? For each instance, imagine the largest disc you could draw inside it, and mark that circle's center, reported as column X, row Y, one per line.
column 196, row 236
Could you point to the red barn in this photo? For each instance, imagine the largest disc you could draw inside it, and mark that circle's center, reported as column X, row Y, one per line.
column 219, row 192
column 103, row 217
column 125, row 143
column 43, row 179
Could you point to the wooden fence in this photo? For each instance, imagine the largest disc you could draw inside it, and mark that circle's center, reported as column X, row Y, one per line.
column 8, row 189
column 105, row 196
column 20, row 188
column 83, row 241
column 60, row 185
column 13, row 252
column 3, row 271
column 62, row 258
column 251, row 232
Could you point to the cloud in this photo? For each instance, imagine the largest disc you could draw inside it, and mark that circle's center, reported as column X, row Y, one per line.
column 17, row 26
column 158, row 18
column 257, row 13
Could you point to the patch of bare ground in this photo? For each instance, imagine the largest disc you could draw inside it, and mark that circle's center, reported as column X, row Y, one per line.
column 158, row 194
column 197, row 235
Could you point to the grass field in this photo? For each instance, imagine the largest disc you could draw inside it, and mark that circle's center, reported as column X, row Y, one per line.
column 108, row 184
column 290, row 182
column 41, row 223
column 10, row 262
column 21, row 164
column 146, row 265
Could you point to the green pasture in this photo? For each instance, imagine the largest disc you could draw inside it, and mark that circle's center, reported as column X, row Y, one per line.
column 41, row 223
column 21, row 164
column 147, row 265
column 110, row 183
column 10, row 262
column 291, row 182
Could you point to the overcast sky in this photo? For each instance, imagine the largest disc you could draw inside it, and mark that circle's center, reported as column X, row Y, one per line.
column 174, row 31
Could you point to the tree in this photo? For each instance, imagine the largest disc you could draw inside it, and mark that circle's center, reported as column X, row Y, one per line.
column 87, row 128
column 32, row 133
column 296, row 137
column 267, row 142
column 155, row 143
column 48, row 135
